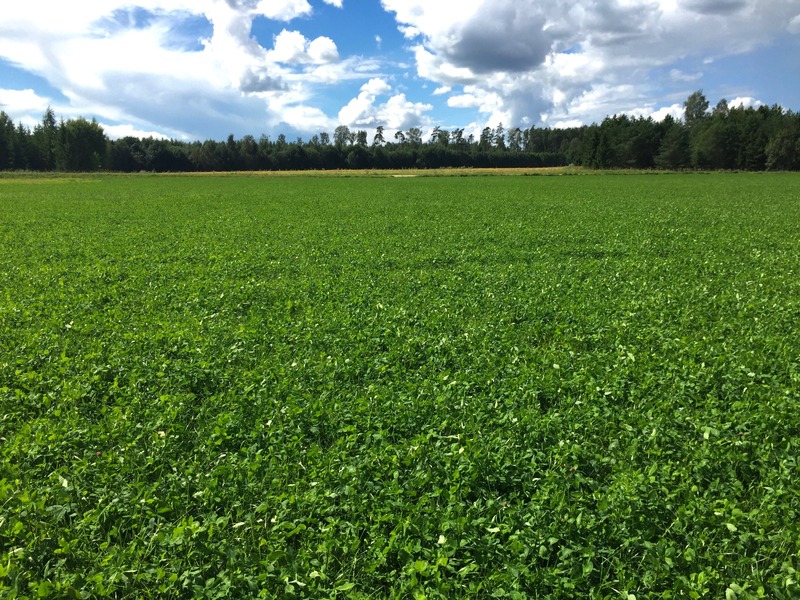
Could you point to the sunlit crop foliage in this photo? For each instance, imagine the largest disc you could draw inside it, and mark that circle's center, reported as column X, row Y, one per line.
column 431, row 387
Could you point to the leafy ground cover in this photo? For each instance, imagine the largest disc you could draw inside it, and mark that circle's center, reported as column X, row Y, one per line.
column 400, row 387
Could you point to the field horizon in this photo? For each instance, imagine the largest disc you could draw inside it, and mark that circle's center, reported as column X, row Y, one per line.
column 10, row 176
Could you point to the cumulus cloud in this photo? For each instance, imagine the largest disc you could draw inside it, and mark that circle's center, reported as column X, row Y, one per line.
column 322, row 50
column 360, row 110
column 522, row 62
column 436, row 68
column 504, row 35
column 375, row 87
column 673, row 110
column 120, row 131
column 745, row 102
column 488, row 102
column 19, row 104
column 397, row 112
column 193, row 61
column 714, row 7
column 400, row 113
column 254, row 81
column 573, row 60
column 292, row 47
column 463, row 101
column 278, row 10
column 306, row 118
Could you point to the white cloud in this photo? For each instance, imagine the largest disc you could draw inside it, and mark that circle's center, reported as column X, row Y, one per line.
column 376, row 86
column 476, row 96
column 673, row 110
column 435, row 20
column 360, row 110
column 322, row 50
column 197, row 69
column 745, row 102
column 143, row 62
column 576, row 59
column 353, row 68
column 678, row 75
column 463, row 101
column 278, row 10
column 599, row 102
column 397, row 112
column 400, row 113
column 568, row 124
column 794, row 25
column 292, row 47
column 433, row 67
column 23, row 105
column 306, row 118
column 120, row 131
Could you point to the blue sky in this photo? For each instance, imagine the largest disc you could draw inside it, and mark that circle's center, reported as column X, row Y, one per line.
column 200, row 69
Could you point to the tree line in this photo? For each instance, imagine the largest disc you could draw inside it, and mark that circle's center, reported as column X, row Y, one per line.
column 735, row 138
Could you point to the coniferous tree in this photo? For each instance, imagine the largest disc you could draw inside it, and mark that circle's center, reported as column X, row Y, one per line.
column 46, row 135
column 675, row 152
column 6, row 142
column 725, row 138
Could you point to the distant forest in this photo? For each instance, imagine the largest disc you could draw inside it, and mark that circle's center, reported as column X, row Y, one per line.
column 732, row 138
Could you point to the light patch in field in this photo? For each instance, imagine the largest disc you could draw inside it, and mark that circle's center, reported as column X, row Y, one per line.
column 35, row 180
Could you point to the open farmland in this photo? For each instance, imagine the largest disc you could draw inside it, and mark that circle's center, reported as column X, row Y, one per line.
column 430, row 387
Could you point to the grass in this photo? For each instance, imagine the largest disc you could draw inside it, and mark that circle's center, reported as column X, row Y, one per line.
column 400, row 387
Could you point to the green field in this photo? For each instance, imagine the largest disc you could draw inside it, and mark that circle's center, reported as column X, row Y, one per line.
column 433, row 387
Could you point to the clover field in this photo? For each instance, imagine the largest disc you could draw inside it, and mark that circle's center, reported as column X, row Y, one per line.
column 580, row 386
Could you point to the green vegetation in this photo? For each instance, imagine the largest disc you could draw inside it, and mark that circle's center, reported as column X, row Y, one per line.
column 576, row 386
column 737, row 138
